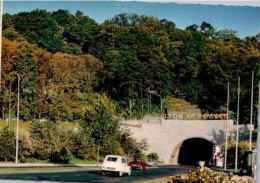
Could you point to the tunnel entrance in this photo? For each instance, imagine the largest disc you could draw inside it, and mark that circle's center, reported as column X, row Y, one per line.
column 194, row 150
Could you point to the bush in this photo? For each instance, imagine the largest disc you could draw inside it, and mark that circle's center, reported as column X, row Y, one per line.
column 112, row 146
column 7, row 145
column 153, row 156
column 45, row 139
column 243, row 146
column 62, row 156
column 208, row 176
column 80, row 145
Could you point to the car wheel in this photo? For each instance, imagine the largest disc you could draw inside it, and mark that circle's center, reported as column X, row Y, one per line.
column 120, row 174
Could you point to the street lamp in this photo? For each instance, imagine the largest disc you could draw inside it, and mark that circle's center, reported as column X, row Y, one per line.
column 258, row 141
column 226, row 129
column 1, row 23
column 17, row 120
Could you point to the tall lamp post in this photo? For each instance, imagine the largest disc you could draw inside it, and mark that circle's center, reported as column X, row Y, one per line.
column 258, row 140
column 17, row 121
column 238, row 95
column 226, row 129
column 1, row 18
column 251, row 112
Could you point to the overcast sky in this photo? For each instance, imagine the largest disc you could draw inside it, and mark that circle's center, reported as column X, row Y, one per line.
column 214, row 2
column 229, row 2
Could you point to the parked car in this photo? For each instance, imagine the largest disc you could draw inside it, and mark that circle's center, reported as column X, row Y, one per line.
column 137, row 164
column 115, row 164
column 151, row 163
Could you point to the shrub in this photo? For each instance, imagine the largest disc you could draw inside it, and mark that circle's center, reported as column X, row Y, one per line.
column 7, row 144
column 153, row 156
column 60, row 157
column 208, row 176
column 243, row 146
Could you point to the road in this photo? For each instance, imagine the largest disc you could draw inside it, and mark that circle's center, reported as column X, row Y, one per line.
column 93, row 175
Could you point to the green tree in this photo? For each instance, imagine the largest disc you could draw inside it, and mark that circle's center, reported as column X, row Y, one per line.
column 82, row 32
column 45, row 140
column 40, row 28
column 7, row 145
column 153, row 156
column 98, row 122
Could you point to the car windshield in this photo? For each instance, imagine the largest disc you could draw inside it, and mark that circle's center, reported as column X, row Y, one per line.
column 114, row 159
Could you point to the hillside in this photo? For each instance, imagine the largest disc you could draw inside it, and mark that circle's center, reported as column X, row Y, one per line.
column 72, row 66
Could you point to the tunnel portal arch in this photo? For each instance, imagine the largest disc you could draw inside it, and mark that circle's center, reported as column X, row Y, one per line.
column 191, row 150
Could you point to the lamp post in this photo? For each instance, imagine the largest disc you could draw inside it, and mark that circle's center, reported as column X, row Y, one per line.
column 17, row 121
column 238, row 95
column 258, row 140
column 1, row 27
column 226, row 129
column 251, row 112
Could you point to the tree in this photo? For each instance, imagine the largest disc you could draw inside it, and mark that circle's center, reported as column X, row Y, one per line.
column 63, row 18
column 25, row 63
column 7, row 145
column 80, row 145
column 39, row 27
column 153, row 156
column 98, row 122
column 45, row 140
column 206, row 29
column 25, row 147
column 83, row 32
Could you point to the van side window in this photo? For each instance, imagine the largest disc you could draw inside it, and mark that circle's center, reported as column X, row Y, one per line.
column 123, row 160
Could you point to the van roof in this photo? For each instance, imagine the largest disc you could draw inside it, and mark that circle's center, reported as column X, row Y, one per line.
column 116, row 156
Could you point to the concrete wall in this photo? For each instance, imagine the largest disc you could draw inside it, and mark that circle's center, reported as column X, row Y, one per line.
column 165, row 137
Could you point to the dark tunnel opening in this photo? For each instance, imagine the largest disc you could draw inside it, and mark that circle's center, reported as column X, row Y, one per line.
column 194, row 150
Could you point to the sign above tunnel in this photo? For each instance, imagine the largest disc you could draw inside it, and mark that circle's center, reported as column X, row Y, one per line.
column 194, row 116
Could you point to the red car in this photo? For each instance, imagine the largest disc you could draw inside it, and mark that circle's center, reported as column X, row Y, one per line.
column 137, row 164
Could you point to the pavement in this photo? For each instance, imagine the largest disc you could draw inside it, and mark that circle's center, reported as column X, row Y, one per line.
column 93, row 175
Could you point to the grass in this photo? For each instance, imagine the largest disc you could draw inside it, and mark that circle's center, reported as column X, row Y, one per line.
column 181, row 105
column 22, row 125
column 40, row 169
column 136, row 125
column 74, row 160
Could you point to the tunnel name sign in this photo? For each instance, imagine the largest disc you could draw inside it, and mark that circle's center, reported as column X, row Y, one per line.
column 196, row 116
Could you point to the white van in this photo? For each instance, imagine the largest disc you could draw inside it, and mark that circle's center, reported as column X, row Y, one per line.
column 115, row 164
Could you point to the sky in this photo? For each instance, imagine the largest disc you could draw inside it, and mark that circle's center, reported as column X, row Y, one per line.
column 242, row 16
column 213, row 2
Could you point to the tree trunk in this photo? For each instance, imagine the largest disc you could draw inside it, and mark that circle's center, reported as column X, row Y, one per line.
column 3, row 111
column 130, row 102
column 142, row 101
column 130, row 107
column 161, row 99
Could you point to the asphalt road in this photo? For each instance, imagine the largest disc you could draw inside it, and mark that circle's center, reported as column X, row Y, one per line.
column 93, row 175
